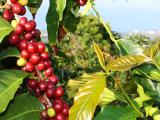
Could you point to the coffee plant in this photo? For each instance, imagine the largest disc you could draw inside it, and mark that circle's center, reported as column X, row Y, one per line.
column 127, row 87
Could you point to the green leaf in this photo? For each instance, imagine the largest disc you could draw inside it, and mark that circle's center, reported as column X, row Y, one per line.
column 24, row 107
column 61, row 4
column 127, row 62
column 88, row 95
column 99, row 55
column 52, row 20
column 10, row 52
column 117, row 113
column 108, row 96
column 5, row 28
column 86, row 8
column 10, row 81
column 128, row 47
column 33, row 6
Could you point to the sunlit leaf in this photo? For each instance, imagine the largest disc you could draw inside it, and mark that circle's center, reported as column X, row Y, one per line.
column 87, row 97
column 127, row 62
column 61, row 4
column 86, row 8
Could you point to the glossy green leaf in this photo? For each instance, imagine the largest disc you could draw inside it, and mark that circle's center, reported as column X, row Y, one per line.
column 10, row 81
column 117, row 113
column 127, row 62
column 5, row 28
column 52, row 20
column 33, row 6
column 128, row 47
column 108, row 96
column 10, row 52
column 88, row 95
column 61, row 4
column 99, row 55
column 23, row 107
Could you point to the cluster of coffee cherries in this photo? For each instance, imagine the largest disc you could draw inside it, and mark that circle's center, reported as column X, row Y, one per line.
column 35, row 59
column 82, row 2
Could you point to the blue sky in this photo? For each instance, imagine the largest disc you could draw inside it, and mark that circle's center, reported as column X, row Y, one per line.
column 123, row 16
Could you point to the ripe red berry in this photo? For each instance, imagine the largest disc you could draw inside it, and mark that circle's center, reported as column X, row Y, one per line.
column 23, row 44
column 14, row 38
column 35, row 58
column 19, row 29
column 41, row 66
column 53, row 79
column 50, row 93
column 41, row 47
column 38, row 33
column 58, row 107
column 37, row 92
column 49, row 72
column 17, row 8
column 23, row 20
column 32, row 48
column 29, row 67
column 23, row 11
column 42, row 85
column 50, row 85
column 32, row 83
column 44, row 114
column 14, row 1
column 29, row 26
column 33, row 23
column 82, row 2
column 59, row 116
column 65, row 111
column 48, row 63
column 28, row 36
column 45, row 56
column 7, row 15
column 33, row 33
column 25, row 54
column 59, row 92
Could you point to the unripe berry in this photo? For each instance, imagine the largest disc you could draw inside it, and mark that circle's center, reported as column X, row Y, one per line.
column 21, row 62
column 14, row 23
column 51, row 112
column 23, row 2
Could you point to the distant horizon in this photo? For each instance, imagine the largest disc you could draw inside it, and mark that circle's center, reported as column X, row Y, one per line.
column 123, row 16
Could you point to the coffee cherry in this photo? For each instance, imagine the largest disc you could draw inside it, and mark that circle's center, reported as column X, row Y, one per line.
column 33, row 33
column 32, row 83
column 59, row 92
column 29, row 26
column 49, row 72
column 59, row 116
column 44, row 114
column 37, row 92
column 38, row 33
column 45, row 56
column 14, row 23
column 51, row 112
column 42, row 85
column 82, row 2
column 23, row 20
column 14, row 38
column 21, row 62
column 29, row 67
column 51, row 118
column 41, row 47
column 58, row 100
column 48, row 63
column 19, row 29
column 32, row 48
column 49, row 93
column 53, row 79
column 23, row 2
column 23, row 11
column 41, row 66
column 50, row 85
column 23, row 44
column 28, row 36
column 17, row 8
column 13, row 1
column 65, row 111
column 58, row 107
column 35, row 58
column 8, row 7
column 33, row 23
column 7, row 15
column 25, row 54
